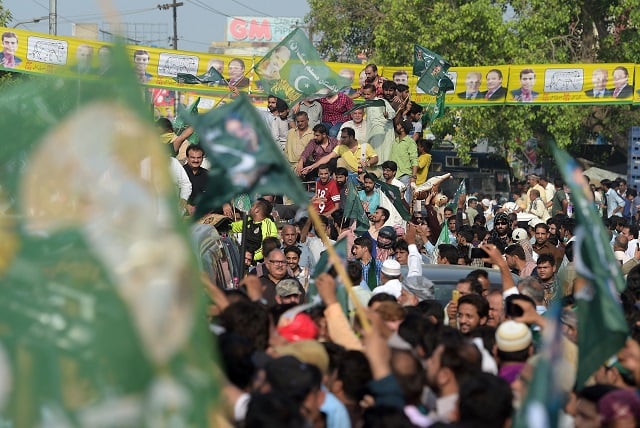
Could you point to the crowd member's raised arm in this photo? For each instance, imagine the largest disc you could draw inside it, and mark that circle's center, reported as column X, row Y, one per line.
column 384, row 387
column 496, row 259
column 337, row 323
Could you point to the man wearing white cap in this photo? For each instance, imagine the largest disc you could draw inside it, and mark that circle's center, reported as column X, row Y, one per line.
column 514, row 343
column 390, row 279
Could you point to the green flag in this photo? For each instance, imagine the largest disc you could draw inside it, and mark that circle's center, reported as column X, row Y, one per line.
column 462, row 189
column 425, row 61
column 601, row 323
column 293, row 70
column 100, row 308
column 179, row 124
column 545, row 397
column 211, row 76
column 244, row 158
column 367, row 103
column 393, row 194
column 444, row 237
column 353, row 208
column 323, row 264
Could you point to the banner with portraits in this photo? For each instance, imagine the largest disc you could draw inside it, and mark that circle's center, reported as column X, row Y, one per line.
column 38, row 53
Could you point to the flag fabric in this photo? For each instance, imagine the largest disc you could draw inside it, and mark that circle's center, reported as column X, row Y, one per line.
column 462, row 189
column 600, row 317
column 426, row 61
column 293, row 70
column 392, row 194
column 96, row 314
column 545, row 396
column 243, row 155
column 179, row 124
column 353, row 209
column 366, row 104
column 211, row 76
column 444, row 237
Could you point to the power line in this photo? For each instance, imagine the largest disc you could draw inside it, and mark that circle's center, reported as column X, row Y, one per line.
column 251, row 9
column 208, row 8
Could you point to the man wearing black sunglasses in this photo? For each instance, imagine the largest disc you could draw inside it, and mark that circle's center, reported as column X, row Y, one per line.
column 501, row 233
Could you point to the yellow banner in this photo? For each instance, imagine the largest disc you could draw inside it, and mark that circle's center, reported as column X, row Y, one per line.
column 25, row 51
column 571, row 83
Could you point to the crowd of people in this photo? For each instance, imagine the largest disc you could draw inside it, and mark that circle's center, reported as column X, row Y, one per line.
column 298, row 349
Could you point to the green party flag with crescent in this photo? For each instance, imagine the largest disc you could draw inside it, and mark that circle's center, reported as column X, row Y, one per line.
column 243, row 156
column 101, row 319
column 293, row 70
column 600, row 315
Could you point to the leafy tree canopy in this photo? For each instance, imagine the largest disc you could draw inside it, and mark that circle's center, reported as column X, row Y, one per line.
column 494, row 32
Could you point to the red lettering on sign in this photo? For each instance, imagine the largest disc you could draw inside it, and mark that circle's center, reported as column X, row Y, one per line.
column 253, row 30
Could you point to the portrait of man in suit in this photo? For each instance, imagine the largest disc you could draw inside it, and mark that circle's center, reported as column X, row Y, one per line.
column 621, row 87
column 8, row 58
column 472, row 84
column 599, row 79
column 526, row 94
column 495, row 91
column 84, row 56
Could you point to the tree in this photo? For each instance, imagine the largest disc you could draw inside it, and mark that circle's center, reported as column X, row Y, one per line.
column 486, row 32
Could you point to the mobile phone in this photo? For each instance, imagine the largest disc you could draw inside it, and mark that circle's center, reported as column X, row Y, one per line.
column 478, row 253
column 455, row 295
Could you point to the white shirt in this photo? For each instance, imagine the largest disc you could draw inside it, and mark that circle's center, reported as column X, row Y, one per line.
column 180, row 178
column 393, row 287
column 360, row 130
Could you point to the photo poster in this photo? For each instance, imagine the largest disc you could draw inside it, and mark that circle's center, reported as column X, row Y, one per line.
column 571, row 84
column 39, row 53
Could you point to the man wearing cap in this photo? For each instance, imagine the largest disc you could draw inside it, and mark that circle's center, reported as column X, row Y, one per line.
column 534, row 183
column 514, row 343
column 501, row 233
column 390, row 275
column 387, row 237
column 288, row 291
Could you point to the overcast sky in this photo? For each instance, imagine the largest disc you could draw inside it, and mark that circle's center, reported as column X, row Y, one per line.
column 199, row 21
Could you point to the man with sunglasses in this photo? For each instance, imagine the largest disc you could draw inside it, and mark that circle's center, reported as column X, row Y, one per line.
column 501, row 232
column 276, row 271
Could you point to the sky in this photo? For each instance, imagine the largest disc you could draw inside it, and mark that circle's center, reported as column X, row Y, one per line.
column 199, row 21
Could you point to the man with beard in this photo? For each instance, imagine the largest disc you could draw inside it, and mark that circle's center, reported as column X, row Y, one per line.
column 473, row 312
column 369, row 197
column 389, row 170
column 327, row 197
column 501, row 234
column 451, row 363
column 378, row 219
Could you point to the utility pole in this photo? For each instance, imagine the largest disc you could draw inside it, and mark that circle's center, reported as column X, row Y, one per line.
column 175, row 6
column 53, row 17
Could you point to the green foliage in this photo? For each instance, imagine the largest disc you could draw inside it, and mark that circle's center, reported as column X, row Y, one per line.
column 5, row 15
column 486, row 32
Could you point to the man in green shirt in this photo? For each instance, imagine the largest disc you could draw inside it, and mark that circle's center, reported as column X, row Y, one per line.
column 404, row 153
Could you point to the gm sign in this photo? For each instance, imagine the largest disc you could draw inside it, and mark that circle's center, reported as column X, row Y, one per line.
column 260, row 29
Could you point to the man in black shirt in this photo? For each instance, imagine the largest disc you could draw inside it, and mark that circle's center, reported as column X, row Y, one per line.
column 197, row 175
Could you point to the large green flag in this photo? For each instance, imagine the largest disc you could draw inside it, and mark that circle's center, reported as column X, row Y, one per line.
column 602, row 329
column 393, row 195
column 244, row 158
column 101, row 319
column 293, row 70
column 353, row 208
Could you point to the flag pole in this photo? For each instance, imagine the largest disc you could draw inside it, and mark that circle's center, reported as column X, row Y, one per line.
column 337, row 264
column 232, row 86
